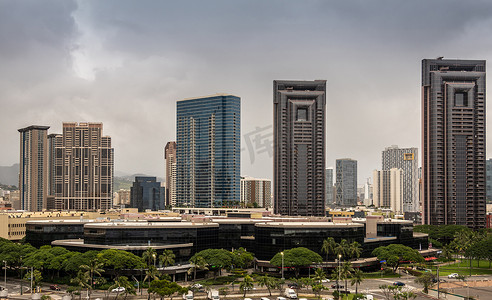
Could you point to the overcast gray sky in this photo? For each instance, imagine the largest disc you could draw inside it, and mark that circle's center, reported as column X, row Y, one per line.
column 125, row 63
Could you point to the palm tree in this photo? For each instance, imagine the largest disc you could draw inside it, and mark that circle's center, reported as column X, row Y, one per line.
column 319, row 275
column 345, row 272
column 246, row 285
column 80, row 281
column 167, row 257
column 197, row 262
column 342, row 248
column 151, row 273
column 357, row 278
column 149, row 254
column 266, row 281
column 123, row 282
column 93, row 268
column 329, row 246
column 355, row 249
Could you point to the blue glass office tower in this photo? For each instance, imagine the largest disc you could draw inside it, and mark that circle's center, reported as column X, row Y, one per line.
column 208, row 151
column 147, row 193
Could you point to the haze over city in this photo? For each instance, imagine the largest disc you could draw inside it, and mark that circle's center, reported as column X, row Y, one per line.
column 126, row 63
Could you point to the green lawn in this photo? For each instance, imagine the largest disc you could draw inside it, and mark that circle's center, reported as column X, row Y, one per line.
column 463, row 268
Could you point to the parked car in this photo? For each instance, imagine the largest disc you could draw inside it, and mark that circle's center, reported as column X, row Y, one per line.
column 264, row 298
column 281, row 298
column 293, row 285
column 197, row 286
column 213, row 295
column 118, row 289
column 54, row 287
column 325, row 280
column 339, row 286
column 188, row 296
column 290, row 293
column 398, row 283
column 454, row 275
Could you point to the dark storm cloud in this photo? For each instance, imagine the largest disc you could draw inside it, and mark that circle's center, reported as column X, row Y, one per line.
column 142, row 56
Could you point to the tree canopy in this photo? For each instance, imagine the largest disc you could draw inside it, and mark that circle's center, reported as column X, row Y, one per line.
column 296, row 258
column 396, row 253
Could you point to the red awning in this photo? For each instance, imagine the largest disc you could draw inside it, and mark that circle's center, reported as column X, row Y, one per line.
column 430, row 258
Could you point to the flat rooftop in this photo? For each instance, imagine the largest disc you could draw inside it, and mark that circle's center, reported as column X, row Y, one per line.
column 144, row 224
column 308, row 225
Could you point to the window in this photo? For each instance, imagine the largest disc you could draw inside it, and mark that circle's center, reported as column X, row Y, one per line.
column 461, row 99
column 302, row 114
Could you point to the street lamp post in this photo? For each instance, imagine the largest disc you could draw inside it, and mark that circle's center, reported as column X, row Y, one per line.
column 437, row 273
column 282, row 253
column 338, row 285
column 5, row 276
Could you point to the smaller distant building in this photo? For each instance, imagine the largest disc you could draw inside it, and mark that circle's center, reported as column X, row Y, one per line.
column 256, row 190
column 147, row 193
column 488, row 220
column 328, row 187
column 122, row 198
column 346, row 182
column 368, row 193
column 388, row 189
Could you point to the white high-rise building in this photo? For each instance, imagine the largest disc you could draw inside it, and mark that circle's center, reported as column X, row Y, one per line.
column 368, row 193
column 388, row 189
column 407, row 160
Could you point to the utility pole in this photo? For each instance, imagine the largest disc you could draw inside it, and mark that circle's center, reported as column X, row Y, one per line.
column 5, row 276
column 31, row 280
column 438, row 283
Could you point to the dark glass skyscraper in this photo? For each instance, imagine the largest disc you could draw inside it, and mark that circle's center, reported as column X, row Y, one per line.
column 346, row 182
column 453, row 139
column 299, row 147
column 33, row 171
column 147, row 193
column 208, row 151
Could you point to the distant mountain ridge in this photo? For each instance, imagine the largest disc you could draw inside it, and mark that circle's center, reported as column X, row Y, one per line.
column 126, row 181
column 9, row 175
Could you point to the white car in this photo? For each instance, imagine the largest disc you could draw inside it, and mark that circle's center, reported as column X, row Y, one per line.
column 454, row 275
column 264, row 298
column 118, row 289
column 281, row 298
column 325, row 280
column 197, row 286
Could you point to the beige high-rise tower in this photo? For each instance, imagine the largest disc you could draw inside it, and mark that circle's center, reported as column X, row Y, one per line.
column 170, row 156
column 33, row 170
column 82, row 164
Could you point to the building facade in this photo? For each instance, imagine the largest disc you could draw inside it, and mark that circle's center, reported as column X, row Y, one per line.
column 368, row 193
column 147, row 193
column 328, row 187
column 388, row 187
column 33, row 169
column 208, row 151
column 346, row 182
column 256, row 190
column 488, row 180
column 453, row 138
column 170, row 156
column 299, row 147
column 405, row 159
column 83, row 167
column 121, row 198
